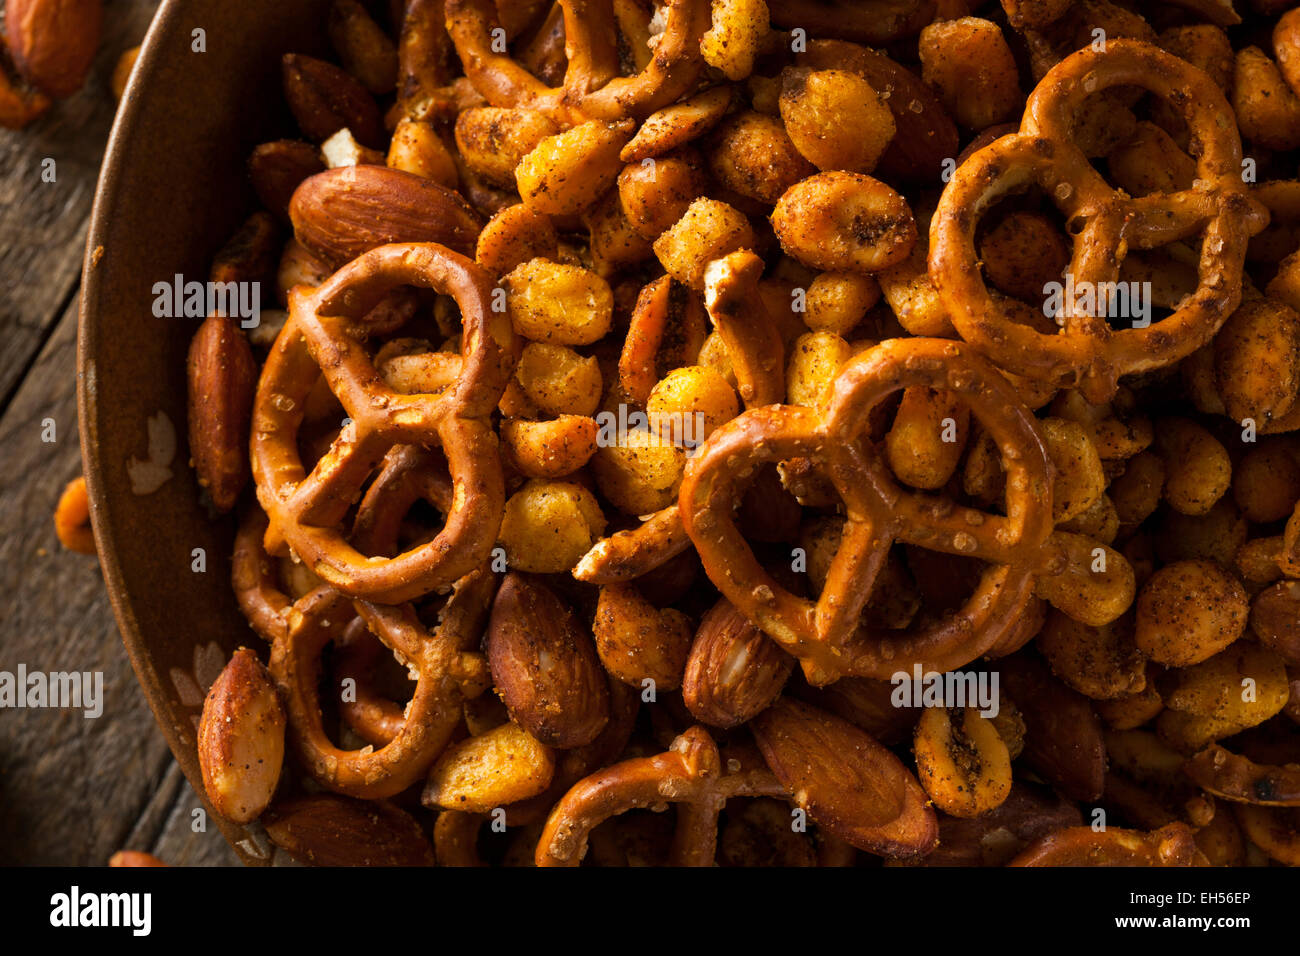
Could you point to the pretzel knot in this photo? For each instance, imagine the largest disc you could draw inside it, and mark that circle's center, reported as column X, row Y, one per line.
column 827, row 635
column 689, row 774
column 325, row 332
column 1088, row 353
column 404, row 742
column 592, row 88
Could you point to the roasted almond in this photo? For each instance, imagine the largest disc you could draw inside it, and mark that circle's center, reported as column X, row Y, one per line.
column 54, row 41
column 544, row 665
column 1028, row 813
column 848, row 783
column 341, row 213
column 329, row 830
column 222, row 382
column 241, row 739
column 734, row 670
column 326, row 99
column 1063, row 739
column 250, row 254
column 278, row 168
column 365, row 49
column 867, row 704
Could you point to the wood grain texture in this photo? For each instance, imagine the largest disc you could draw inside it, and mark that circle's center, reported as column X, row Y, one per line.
column 73, row 790
column 43, row 224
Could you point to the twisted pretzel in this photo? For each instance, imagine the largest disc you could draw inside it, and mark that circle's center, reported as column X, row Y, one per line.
column 826, row 635
column 448, row 669
column 448, row 673
column 322, row 332
column 689, row 774
column 592, row 88
column 1087, row 354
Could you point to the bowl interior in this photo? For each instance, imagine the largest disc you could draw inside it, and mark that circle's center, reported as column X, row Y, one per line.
column 172, row 189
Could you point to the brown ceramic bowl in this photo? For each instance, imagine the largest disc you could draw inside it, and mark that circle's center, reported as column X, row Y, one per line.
column 173, row 187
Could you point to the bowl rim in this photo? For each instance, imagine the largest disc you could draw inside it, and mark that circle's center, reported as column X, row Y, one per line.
column 163, row 34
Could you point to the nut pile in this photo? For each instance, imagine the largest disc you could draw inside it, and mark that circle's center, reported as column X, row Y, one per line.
column 805, row 433
column 47, row 49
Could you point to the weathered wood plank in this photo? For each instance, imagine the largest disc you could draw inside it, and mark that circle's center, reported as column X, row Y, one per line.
column 43, row 224
column 166, row 828
column 72, row 787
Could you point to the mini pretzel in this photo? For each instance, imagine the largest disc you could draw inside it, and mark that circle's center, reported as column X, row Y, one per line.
column 298, row 631
column 320, row 333
column 689, row 774
column 447, row 674
column 826, row 635
column 592, row 88
column 1088, row 354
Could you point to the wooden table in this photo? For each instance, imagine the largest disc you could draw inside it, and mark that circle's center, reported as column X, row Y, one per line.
column 72, row 790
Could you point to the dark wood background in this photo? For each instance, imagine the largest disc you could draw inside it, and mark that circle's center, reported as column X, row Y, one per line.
column 72, row 790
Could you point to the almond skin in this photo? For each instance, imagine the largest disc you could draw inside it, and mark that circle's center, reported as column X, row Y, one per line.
column 326, row 99
column 222, row 383
column 330, row 830
column 1063, row 739
column 278, row 168
column 848, row 783
column 735, row 670
column 341, row 213
column 53, row 41
column 241, row 739
column 544, row 665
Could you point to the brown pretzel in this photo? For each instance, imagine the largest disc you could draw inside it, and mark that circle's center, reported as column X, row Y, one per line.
column 690, row 774
column 1088, row 354
column 1171, row 845
column 320, row 333
column 825, row 635
column 592, row 88
column 1237, row 778
column 448, row 673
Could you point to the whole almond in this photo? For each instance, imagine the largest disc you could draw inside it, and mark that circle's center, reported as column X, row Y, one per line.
column 341, row 213
column 241, row 739
column 330, row 830
column 366, row 50
column 848, row 783
column 544, row 665
column 734, row 671
column 222, row 383
column 1063, row 739
column 326, row 99
column 54, row 41
column 249, row 255
column 278, row 168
